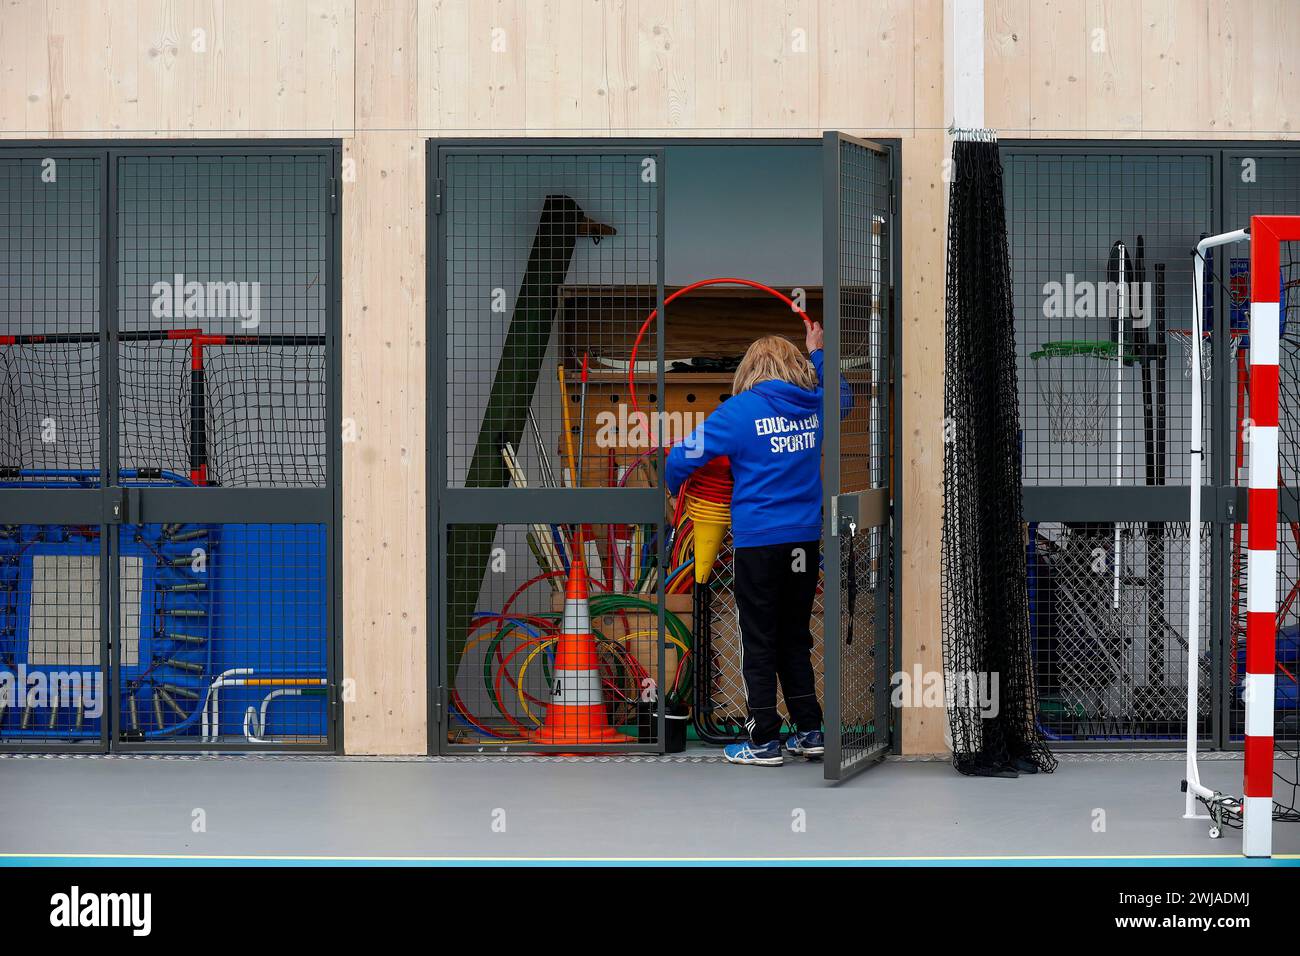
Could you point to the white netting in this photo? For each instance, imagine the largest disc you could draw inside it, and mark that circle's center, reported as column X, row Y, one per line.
column 1076, row 384
column 1184, row 341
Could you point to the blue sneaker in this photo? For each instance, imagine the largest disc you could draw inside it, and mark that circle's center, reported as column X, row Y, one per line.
column 810, row 744
column 768, row 755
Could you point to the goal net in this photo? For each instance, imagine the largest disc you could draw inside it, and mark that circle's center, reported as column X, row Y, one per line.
column 228, row 410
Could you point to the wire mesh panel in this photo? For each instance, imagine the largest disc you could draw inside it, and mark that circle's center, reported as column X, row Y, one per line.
column 865, row 651
column 507, row 675
column 551, row 273
column 857, row 551
column 223, row 291
column 53, row 667
column 864, row 316
column 1102, row 282
column 1101, row 335
column 1112, row 661
column 228, row 639
column 51, row 244
column 549, row 382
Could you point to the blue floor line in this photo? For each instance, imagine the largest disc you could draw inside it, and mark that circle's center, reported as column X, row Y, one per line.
column 92, row 860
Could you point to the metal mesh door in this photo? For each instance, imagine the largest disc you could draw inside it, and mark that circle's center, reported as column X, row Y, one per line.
column 858, row 231
column 167, row 477
column 546, row 334
column 1102, row 281
column 224, row 308
column 54, row 564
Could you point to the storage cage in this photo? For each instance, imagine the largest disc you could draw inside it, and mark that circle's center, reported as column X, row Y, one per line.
column 589, row 303
column 168, row 476
column 1102, row 244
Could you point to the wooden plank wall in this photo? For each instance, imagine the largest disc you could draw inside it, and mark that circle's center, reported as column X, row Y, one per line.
column 385, row 76
column 1201, row 69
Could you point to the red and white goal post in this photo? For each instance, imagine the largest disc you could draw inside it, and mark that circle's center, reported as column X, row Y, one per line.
column 1266, row 235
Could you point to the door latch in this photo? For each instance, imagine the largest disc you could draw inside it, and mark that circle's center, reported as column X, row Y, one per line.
column 116, row 506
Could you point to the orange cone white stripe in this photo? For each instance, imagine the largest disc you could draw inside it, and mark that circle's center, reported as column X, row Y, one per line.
column 576, row 713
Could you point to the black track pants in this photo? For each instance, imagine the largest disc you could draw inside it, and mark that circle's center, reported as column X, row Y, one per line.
column 775, row 588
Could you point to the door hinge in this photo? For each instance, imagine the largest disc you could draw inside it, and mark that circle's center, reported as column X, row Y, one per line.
column 334, row 197
column 438, row 186
column 893, row 198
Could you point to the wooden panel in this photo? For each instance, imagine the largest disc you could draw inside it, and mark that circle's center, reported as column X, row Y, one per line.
column 927, row 65
column 95, row 68
column 1275, row 103
column 1114, row 65
column 384, row 485
column 1230, row 108
column 384, row 543
column 921, row 392
column 1175, row 57
column 1113, row 68
column 1058, row 67
column 723, row 51
column 553, row 76
column 865, row 68
column 496, row 47
column 1007, row 66
column 784, row 65
column 387, row 67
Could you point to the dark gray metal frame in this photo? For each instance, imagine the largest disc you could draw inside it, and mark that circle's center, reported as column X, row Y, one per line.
column 112, row 506
column 872, row 508
column 1222, row 504
column 602, row 504
column 449, row 505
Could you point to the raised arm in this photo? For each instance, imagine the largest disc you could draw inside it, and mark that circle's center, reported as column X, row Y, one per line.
column 815, row 340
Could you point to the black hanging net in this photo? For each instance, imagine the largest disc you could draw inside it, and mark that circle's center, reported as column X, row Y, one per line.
column 989, row 675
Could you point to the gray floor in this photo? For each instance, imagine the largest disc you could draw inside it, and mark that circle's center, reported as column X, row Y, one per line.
column 324, row 807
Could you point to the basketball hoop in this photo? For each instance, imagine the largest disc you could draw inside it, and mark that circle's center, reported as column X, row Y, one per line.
column 1184, row 339
column 1071, row 385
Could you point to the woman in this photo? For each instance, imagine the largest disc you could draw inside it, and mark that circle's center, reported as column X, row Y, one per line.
column 771, row 430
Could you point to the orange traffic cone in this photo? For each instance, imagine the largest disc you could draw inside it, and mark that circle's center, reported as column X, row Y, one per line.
column 576, row 714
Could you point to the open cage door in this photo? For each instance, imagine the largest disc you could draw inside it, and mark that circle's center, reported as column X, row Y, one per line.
column 858, row 534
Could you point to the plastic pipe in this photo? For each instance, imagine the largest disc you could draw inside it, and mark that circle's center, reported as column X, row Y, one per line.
column 258, row 729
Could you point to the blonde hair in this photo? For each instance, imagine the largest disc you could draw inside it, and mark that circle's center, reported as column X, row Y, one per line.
column 773, row 358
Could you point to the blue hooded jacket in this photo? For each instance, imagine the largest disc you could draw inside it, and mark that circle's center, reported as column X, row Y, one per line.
column 773, row 435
